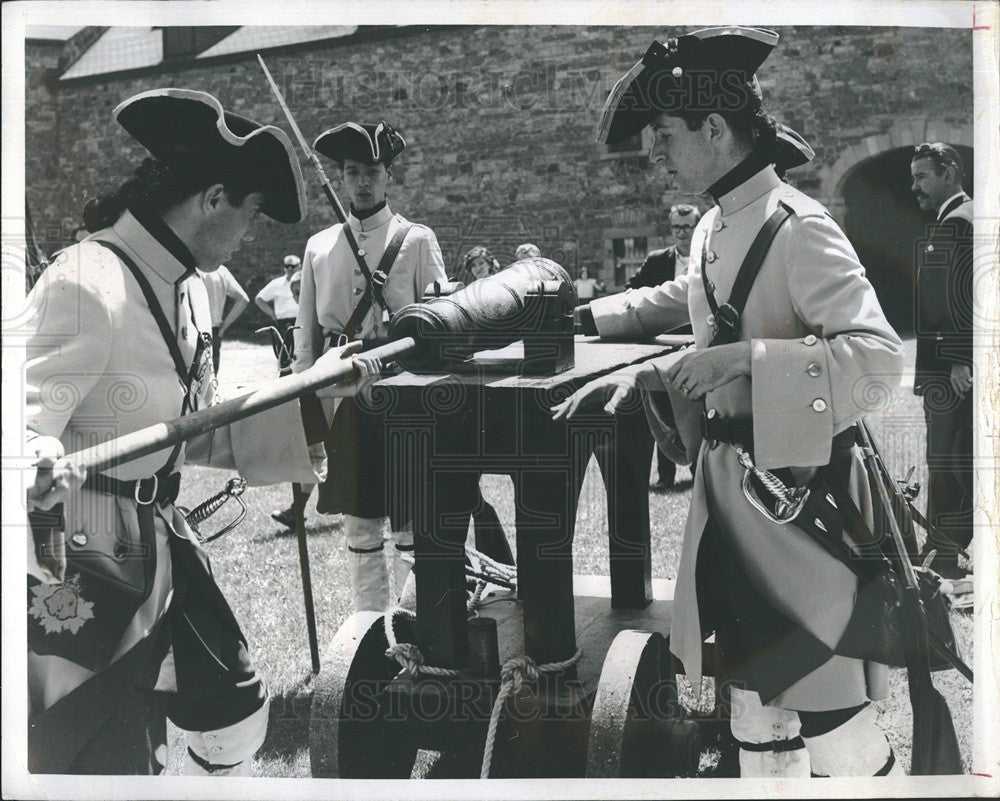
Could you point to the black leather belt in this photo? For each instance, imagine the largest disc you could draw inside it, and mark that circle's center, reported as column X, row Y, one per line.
column 739, row 431
column 336, row 340
column 157, row 489
column 731, row 430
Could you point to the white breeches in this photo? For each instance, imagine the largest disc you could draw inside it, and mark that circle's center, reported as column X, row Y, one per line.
column 768, row 737
column 226, row 752
column 855, row 748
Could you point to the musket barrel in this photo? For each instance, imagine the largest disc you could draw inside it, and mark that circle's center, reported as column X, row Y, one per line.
column 181, row 429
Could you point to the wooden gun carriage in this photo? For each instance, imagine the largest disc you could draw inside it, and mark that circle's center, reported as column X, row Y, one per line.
column 596, row 696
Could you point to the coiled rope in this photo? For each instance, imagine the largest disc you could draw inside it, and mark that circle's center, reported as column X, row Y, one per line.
column 518, row 674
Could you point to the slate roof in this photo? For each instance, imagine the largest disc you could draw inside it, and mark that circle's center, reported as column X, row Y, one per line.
column 121, row 49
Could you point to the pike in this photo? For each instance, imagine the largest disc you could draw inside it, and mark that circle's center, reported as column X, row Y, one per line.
column 331, row 196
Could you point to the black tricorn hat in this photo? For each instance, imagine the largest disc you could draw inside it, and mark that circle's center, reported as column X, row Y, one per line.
column 707, row 70
column 190, row 130
column 791, row 149
column 368, row 143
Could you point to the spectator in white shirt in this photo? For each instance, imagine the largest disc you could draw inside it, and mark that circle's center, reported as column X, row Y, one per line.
column 587, row 288
column 222, row 286
column 278, row 302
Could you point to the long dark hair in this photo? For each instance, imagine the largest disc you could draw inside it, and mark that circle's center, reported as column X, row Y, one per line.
column 464, row 272
column 155, row 186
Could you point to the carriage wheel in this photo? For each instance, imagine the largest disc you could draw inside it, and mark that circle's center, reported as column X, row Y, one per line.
column 636, row 728
column 348, row 732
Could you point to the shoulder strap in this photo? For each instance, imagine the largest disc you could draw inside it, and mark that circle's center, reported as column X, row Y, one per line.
column 376, row 282
column 184, row 373
column 154, row 306
column 728, row 316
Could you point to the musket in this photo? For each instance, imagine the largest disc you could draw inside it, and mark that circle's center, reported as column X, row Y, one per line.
column 324, row 182
column 935, row 744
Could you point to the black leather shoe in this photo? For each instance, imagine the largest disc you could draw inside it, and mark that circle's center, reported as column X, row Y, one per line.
column 284, row 516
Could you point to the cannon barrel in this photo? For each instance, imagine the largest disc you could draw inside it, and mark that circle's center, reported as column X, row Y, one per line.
column 531, row 297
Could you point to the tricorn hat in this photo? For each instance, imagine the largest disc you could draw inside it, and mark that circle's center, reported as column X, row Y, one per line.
column 368, row 143
column 792, row 150
column 190, row 130
column 707, row 70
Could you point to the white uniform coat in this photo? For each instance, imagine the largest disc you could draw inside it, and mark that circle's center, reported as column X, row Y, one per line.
column 97, row 367
column 333, row 283
column 823, row 355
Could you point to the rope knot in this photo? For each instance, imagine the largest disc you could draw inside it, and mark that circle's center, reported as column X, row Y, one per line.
column 518, row 672
column 408, row 655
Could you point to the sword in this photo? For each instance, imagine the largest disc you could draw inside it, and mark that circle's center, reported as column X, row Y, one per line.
column 324, row 181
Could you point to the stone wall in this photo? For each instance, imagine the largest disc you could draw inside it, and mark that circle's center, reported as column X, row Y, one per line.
column 500, row 124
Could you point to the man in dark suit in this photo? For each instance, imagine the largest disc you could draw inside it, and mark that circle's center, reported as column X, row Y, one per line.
column 666, row 265
column 669, row 263
column 943, row 377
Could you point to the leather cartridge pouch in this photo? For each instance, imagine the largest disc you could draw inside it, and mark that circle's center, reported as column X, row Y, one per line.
column 110, row 566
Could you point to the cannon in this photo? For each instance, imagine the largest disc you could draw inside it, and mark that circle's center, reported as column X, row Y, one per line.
column 531, row 301
column 556, row 676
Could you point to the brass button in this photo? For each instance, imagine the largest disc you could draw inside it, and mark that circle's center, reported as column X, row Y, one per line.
column 361, row 251
column 711, row 287
column 711, row 414
column 930, row 248
column 710, row 320
column 121, row 550
column 814, row 369
column 719, row 224
column 710, row 256
column 819, row 405
column 810, row 339
column 79, row 539
column 357, row 290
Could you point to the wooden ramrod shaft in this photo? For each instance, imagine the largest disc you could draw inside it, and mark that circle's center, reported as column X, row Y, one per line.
column 181, row 429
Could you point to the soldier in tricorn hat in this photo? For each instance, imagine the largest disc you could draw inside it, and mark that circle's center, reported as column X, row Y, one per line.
column 126, row 624
column 347, row 296
column 775, row 383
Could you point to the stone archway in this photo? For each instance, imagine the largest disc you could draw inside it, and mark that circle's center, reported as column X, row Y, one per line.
column 870, row 185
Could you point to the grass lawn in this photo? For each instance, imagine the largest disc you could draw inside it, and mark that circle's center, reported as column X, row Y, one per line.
column 257, row 567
